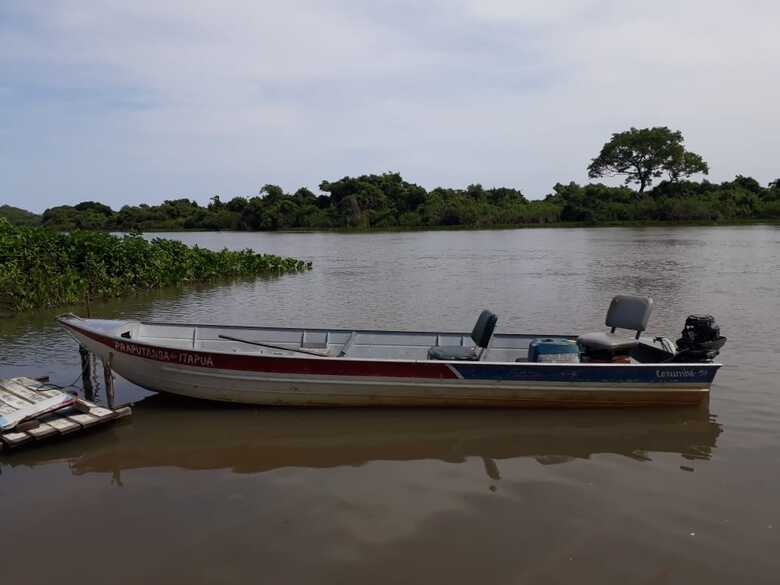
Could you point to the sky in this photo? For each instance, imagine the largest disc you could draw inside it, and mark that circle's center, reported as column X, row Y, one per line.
column 130, row 102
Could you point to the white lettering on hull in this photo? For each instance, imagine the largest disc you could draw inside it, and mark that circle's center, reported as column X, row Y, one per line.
column 680, row 373
column 165, row 355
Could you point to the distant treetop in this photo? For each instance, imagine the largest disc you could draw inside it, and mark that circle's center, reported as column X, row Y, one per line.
column 646, row 154
column 18, row 216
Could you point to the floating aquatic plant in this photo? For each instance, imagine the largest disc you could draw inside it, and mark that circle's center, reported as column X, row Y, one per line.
column 41, row 268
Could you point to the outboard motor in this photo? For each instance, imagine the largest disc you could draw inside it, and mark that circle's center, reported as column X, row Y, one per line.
column 700, row 340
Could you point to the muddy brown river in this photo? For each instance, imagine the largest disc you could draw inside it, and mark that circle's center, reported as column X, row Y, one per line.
column 193, row 492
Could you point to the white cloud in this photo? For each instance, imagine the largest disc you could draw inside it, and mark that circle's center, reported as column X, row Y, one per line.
column 529, row 12
column 184, row 97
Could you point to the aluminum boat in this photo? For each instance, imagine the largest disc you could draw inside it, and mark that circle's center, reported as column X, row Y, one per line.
column 343, row 367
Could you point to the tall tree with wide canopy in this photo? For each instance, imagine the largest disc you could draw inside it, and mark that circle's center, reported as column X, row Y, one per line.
column 646, row 154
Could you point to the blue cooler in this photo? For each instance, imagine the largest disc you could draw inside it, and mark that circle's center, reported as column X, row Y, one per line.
column 553, row 350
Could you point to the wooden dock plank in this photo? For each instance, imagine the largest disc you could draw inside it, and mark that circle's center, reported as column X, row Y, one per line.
column 86, row 404
column 88, row 407
column 12, row 399
column 102, row 413
column 85, row 420
column 42, row 431
column 63, row 425
column 123, row 412
column 14, row 439
column 26, row 425
column 6, row 409
column 35, row 410
column 41, row 387
column 19, row 390
column 22, row 399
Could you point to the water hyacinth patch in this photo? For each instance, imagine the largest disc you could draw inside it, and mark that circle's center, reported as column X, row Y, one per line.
column 41, row 268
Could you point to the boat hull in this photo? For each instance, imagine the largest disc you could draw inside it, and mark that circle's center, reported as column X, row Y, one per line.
column 291, row 381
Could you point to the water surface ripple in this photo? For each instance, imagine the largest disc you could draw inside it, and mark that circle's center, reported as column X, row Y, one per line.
column 190, row 492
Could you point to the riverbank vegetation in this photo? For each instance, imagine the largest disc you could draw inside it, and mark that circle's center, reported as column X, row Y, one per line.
column 387, row 201
column 19, row 216
column 44, row 268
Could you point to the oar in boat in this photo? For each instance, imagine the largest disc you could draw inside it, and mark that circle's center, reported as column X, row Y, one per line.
column 270, row 346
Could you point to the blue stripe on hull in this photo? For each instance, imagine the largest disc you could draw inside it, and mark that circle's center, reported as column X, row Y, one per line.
column 612, row 374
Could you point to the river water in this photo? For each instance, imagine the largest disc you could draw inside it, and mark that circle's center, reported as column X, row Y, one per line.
column 192, row 492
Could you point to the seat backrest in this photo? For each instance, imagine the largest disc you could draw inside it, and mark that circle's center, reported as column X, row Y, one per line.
column 629, row 312
column 483, row 330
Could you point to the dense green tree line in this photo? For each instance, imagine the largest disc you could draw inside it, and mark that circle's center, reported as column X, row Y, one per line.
column 640, row 156
column 388, row 201
column 742, row 199
column 368, row 201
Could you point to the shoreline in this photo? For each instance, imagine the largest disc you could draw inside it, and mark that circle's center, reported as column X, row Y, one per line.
column 460, row 228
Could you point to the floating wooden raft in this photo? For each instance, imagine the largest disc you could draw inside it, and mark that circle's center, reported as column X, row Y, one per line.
column 46, row 411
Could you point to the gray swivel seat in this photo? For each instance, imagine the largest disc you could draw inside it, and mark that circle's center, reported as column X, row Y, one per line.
column 625, row 312
column 480, row 335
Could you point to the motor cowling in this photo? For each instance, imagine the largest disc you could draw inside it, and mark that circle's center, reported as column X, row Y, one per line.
column 700, row 339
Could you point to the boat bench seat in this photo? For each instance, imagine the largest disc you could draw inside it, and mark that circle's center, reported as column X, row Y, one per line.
column 607, row 341
column 480, row 335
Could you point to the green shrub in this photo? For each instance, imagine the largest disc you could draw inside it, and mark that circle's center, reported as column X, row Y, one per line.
column 41, row 268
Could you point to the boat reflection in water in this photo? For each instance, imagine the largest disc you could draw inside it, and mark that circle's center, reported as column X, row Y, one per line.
column 189, row 434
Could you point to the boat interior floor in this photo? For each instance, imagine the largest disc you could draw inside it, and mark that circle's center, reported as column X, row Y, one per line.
column 328, row 343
